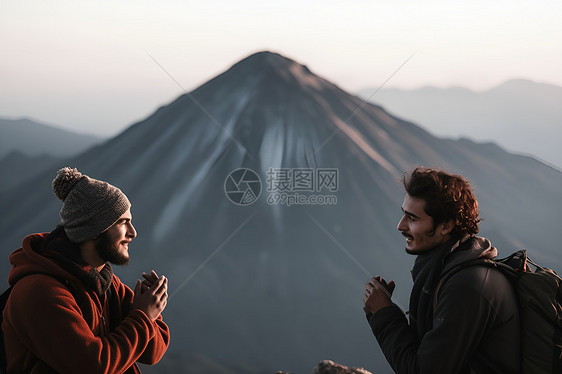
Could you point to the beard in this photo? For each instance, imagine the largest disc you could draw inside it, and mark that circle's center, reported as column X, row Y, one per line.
column 428, row 234
column 419, row 252
column 109, row 251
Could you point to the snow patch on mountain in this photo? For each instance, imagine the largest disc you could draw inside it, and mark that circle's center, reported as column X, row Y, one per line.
column 272, row 145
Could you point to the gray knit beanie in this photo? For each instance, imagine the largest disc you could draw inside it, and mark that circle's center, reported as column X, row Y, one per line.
column 89, row 206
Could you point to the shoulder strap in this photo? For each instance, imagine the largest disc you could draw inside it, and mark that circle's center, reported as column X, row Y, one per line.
column 501, row 265
column 3, row 359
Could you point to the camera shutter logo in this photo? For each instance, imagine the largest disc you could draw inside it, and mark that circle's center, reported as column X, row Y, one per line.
column 242, row 186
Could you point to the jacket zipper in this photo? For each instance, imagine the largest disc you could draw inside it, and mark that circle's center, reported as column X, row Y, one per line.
column 104, row 324
column 102, row 316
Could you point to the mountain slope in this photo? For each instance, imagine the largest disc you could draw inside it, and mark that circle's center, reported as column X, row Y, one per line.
column 274, row 285
column 16, row 167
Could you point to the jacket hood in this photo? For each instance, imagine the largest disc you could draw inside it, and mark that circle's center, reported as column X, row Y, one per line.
column 28, row 260
column 469, row 248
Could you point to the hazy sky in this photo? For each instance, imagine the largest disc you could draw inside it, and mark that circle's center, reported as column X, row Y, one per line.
column 84, row 64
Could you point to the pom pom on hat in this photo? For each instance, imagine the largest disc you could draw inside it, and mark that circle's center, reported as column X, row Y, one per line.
column 89, row 207
column 64, row 181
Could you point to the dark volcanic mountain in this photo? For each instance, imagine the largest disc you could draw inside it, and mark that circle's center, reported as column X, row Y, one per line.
column 276, row 286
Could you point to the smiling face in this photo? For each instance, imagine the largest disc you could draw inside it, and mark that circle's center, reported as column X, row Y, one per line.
column 417, row 227
column 113, row 244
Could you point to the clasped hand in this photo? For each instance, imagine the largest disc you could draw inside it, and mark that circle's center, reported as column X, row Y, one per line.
column 151, row 295
column 377, row 295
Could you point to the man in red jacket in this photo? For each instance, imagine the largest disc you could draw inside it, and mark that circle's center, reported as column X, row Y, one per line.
column 68, row 312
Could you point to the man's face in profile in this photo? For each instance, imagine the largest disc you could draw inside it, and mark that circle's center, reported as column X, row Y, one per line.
column 113, row 244
column 417, row 227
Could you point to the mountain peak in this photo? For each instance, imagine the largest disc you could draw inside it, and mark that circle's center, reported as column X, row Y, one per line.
column 525, row 86
column 268, row 59
column 276, row 69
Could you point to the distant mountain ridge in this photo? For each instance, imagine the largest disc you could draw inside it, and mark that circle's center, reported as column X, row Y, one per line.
column 521, row 115
column 272, row 285
column 16, row 167
column 28, row 146
column 33, row 138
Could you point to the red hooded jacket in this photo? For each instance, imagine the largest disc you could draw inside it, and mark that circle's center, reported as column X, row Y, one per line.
column 50, row 327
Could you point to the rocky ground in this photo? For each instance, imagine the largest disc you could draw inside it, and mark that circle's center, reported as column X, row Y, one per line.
column 330, row 367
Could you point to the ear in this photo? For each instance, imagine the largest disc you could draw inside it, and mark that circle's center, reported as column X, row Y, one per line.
column 447, row 227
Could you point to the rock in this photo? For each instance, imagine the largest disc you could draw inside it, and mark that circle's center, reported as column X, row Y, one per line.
column 330, row 367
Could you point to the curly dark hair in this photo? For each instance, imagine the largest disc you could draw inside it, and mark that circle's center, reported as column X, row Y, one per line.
column 447, row 197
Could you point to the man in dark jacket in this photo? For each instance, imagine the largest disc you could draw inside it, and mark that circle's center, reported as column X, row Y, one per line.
column 67, row 311
column 469, row 323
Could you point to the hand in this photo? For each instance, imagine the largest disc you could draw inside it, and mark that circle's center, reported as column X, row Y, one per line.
column 149, row 280
column 377, row 295
column 152, row 301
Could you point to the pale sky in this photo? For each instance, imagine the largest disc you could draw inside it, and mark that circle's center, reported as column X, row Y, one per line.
column 84, row 65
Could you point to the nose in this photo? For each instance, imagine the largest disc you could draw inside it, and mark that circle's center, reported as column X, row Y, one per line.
column 402, row 224
column 131, row 232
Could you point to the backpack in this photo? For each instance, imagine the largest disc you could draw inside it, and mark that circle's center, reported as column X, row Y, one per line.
column 539, row 296
column 3, row 300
